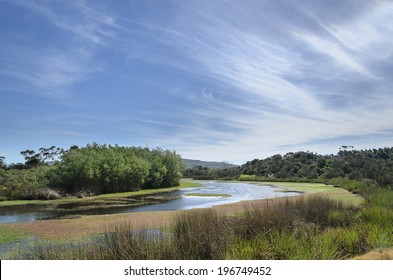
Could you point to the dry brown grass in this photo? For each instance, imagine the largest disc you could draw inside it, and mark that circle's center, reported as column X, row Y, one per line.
column 382, row 254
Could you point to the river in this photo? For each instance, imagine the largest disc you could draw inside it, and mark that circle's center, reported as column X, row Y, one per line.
column 210, row 193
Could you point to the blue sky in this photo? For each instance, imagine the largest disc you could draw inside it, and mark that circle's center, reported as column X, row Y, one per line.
column 214, row 80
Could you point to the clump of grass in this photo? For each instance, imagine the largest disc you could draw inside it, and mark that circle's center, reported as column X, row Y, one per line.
column 200, row 234
column 123, row 242
column 260, row 221
column 382, row 198
column 323, row 211
column 301, row 228
column 257, row 248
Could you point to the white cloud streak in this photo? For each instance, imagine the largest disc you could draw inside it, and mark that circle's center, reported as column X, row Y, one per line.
column 267, row 69
column 46, row 72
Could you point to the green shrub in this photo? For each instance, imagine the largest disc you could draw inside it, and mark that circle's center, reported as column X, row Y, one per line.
column 24, row 184
column 257, row 248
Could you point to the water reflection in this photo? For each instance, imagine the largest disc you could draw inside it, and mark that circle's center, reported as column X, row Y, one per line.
column 183, row 199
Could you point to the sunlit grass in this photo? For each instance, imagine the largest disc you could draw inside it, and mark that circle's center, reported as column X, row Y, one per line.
column 8, row 234
column 333, row 192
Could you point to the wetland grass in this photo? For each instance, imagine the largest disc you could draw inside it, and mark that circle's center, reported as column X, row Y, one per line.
column 307, row 227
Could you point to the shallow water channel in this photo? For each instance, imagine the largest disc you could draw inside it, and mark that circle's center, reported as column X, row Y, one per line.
column 210, row 193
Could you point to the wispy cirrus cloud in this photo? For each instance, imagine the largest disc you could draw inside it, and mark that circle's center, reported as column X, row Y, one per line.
column 78, row 18
column 296, row 85
column 46, row 72
column 51, row 66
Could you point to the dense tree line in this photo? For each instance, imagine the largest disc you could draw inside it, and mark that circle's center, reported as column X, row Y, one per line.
column 373, row 164
column 93, row 169
column 206, row 173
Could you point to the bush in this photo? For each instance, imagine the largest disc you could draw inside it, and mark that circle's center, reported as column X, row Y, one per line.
column 24, row 184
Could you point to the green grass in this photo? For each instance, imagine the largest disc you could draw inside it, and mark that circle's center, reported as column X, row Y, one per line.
column 8, row 235
column 344, row 194
column 333, row 192
column 309, row 188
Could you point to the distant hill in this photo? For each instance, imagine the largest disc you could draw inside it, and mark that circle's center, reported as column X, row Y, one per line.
column 190, row 163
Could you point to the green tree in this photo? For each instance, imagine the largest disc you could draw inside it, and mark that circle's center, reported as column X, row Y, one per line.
column 34, row 159
column 157, row 173
column 174, row 166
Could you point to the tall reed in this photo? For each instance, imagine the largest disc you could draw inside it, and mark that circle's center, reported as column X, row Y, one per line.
column 200, row 234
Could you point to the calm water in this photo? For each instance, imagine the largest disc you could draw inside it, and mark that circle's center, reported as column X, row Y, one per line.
column 237, row 191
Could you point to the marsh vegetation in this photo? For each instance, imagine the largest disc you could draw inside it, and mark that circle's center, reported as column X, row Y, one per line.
column 306, row 227
column 317, row 225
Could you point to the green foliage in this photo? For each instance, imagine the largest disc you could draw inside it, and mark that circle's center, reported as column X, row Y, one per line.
column 107, row 169
column 375, row 165
column 94, row 169
column 206, row 173
column 25, row 183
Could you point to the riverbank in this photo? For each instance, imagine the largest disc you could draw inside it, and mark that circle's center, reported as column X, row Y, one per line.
column 82, row 226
